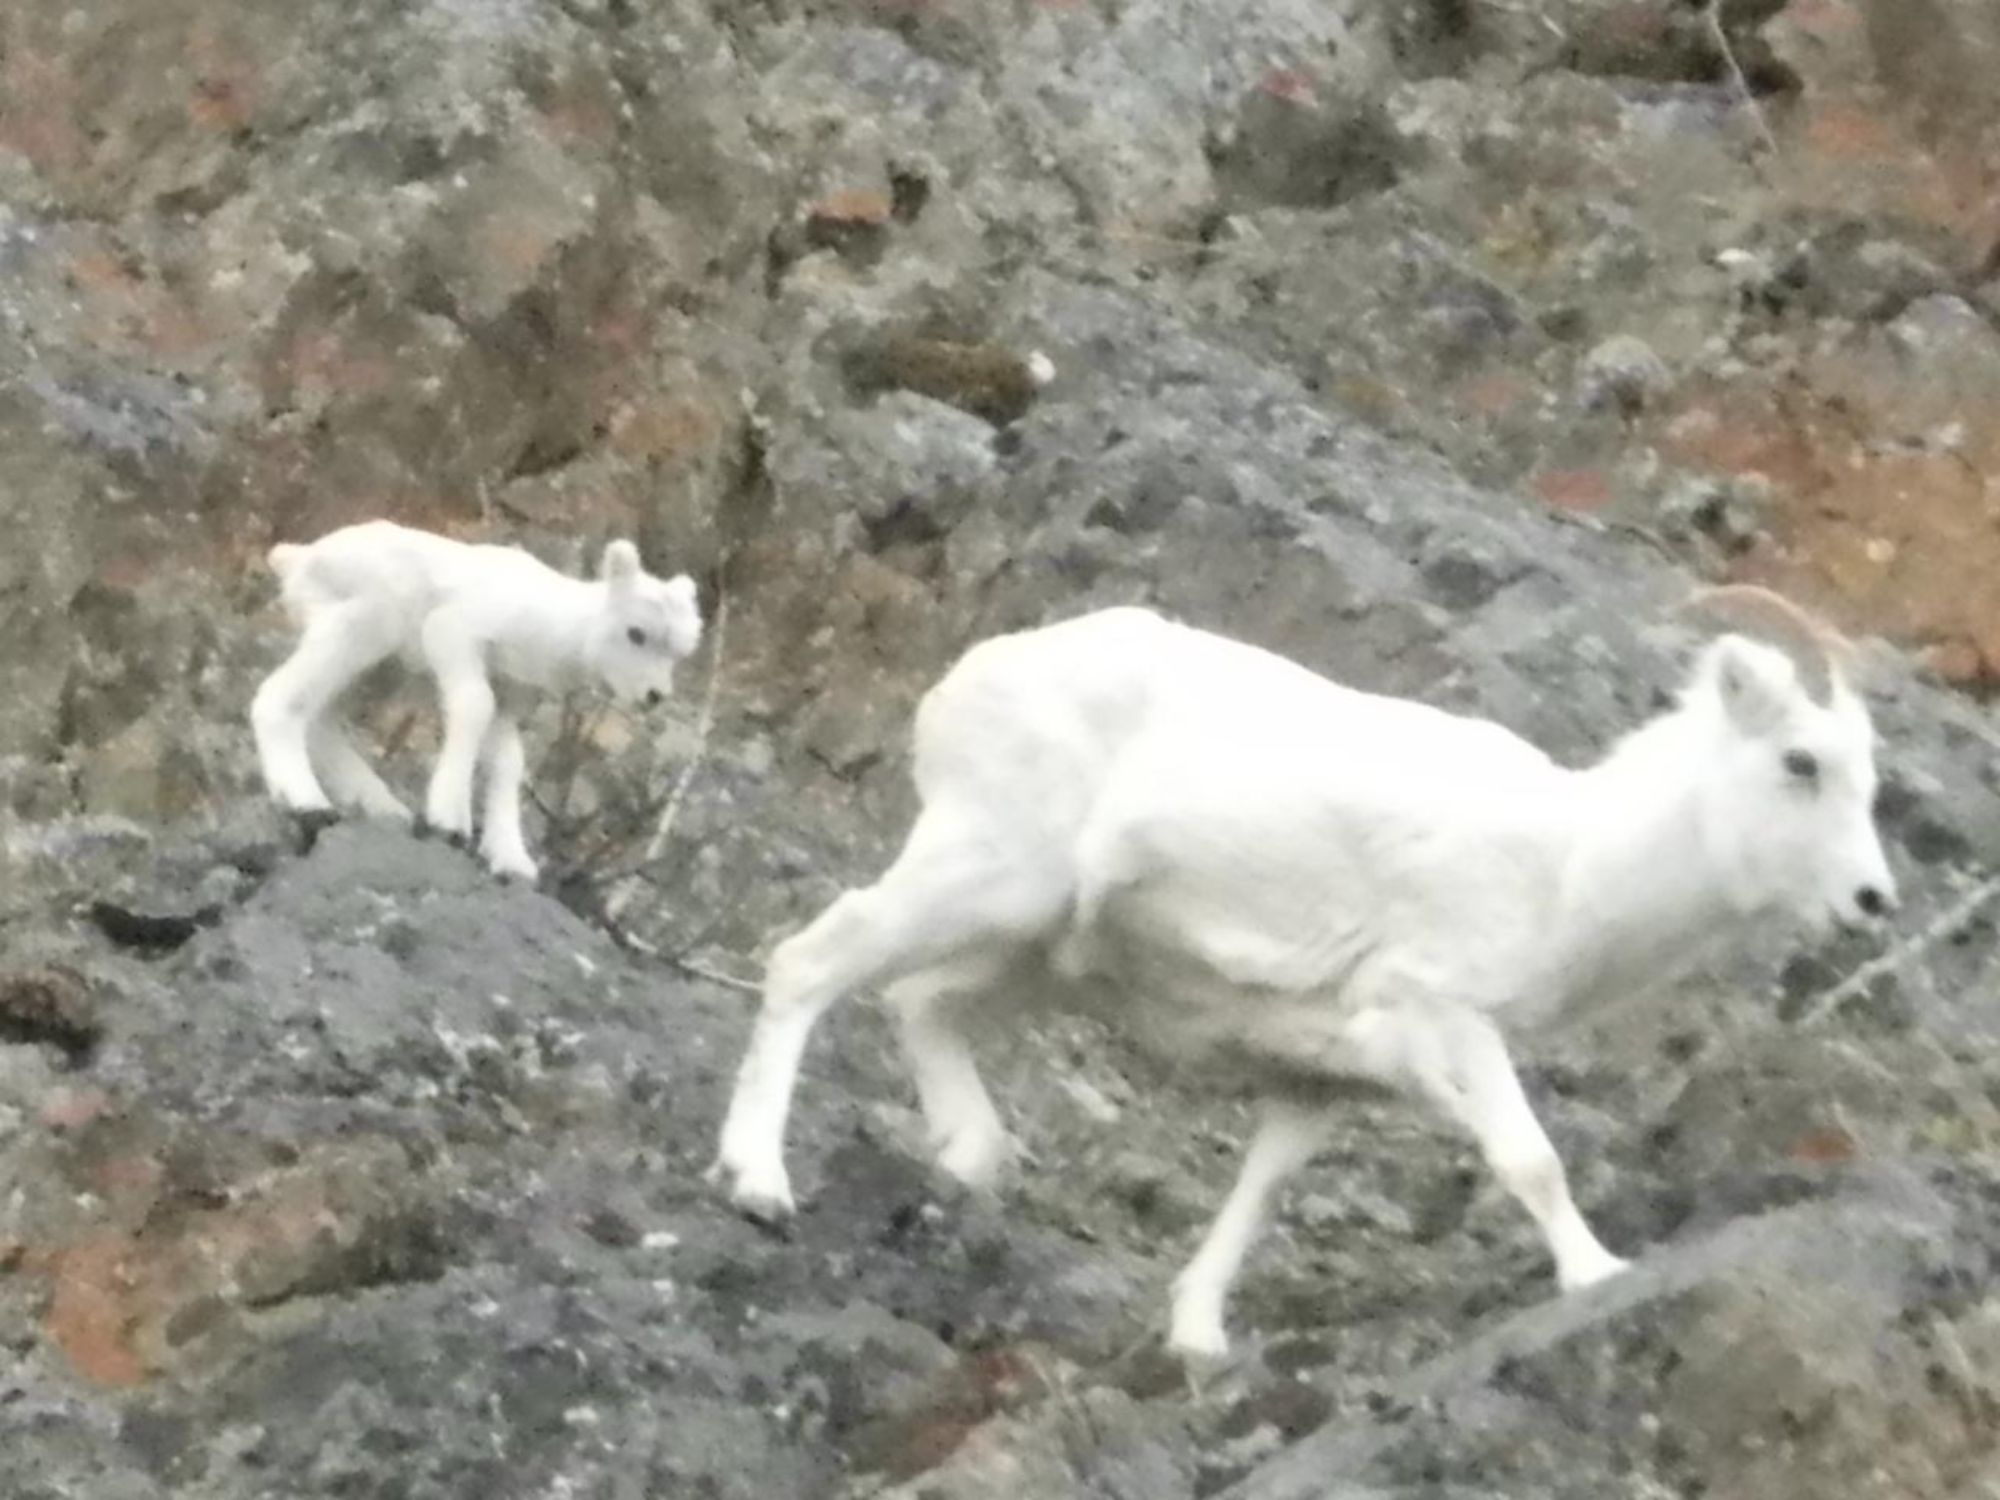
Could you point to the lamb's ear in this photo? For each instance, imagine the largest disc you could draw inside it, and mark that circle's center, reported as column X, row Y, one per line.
column 1757, row 686
column 621, row 564
column 681, row 589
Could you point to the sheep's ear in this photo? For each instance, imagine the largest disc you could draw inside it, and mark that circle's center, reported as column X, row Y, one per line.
column 1757, row 686
column 621, row 563
column 680, row 589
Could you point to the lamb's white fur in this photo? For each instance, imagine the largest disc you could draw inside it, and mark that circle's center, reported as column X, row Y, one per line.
column 471, row 614
column 1324, row 884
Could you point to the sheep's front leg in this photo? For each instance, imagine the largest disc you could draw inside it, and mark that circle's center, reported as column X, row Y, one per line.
column 1287, row 1138
column 1460, row 1062
column 807, row 973
column 955, row 888
column 460, row 668
column 500, row 840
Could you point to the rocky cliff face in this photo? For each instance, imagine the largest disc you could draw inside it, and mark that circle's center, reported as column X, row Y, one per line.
column 1434, row 344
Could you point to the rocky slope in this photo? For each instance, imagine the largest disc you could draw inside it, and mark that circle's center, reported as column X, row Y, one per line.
column 1434, row 344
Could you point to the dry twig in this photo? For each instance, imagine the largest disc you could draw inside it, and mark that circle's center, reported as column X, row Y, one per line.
column 1711, row 15
column 622, row 893
column 686, row 965
column 1914, row 946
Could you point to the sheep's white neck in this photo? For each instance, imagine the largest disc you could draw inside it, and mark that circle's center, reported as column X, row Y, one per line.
column 1641, row 897
column 543, row 638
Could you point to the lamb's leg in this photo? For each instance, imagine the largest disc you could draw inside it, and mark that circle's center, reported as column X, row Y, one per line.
column 500, row 840
column 339, row 642
column 1287, row 1137
column 965, row 1128
column 456, row 660
column 349, row 779
column 1460, row 1062
column 953, row 887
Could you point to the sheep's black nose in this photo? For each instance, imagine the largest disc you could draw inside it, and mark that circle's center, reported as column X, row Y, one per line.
column 654, row 698
column 1871, row 901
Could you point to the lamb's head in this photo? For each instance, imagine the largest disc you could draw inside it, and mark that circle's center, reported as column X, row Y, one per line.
column 1786, row 798
column 646, row 626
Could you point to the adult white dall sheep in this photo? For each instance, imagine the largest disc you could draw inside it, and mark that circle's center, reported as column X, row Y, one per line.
column 472, row 614
column 1305, row 885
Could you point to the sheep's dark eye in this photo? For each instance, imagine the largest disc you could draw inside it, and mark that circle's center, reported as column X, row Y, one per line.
column 1802, row 764
column 636, row 636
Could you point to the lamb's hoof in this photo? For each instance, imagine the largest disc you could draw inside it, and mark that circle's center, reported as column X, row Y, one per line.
column 772, row 1210
column 424, row 828
column 308, row 823
column 757, row 1196
column 523, row 870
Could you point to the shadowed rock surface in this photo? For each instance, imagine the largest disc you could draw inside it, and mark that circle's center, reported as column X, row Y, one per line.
column 1438, row 346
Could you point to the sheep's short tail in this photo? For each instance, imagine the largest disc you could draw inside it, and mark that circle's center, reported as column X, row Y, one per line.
column 288, row 560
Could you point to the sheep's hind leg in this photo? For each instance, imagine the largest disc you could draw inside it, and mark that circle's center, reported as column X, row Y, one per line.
column 339, row 642
column 946, row 893
column 349, row 779
column 1287, row 1138
column 965, row 1129
column 1106, row 864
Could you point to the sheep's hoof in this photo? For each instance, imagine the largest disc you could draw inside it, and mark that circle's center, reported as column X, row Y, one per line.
column 308, row 823
column 1201, row 1349
column 1595, row 1270
column 1075, row 957
column 1194, row 1327
column 975, row 1158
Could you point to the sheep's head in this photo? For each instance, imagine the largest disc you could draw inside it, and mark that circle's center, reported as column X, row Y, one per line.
column 1788, row 808
column 648, row 624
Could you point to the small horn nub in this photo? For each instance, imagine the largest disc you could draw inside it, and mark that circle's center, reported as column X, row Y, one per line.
column 1814, row 647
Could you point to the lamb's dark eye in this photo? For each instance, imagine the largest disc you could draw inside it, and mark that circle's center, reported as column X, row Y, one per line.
column 636, row 636
column 1802, row 764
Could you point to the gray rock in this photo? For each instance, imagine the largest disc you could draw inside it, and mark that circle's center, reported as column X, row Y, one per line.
column 385, row 1180
column 1623, row 374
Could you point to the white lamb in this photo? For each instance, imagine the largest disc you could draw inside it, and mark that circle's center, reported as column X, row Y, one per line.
column 1307, row 886
column 471, row 614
